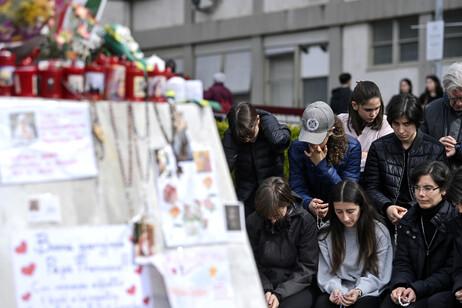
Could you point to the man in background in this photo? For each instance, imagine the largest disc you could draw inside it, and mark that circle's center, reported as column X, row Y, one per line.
column 341, row 96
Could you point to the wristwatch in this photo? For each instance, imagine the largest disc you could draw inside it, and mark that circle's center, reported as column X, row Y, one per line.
column 360, row 292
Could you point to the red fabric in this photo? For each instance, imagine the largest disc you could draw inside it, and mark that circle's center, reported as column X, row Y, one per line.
column 219, row 93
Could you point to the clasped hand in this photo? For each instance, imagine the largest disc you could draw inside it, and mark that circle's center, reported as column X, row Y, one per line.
column 346, row 299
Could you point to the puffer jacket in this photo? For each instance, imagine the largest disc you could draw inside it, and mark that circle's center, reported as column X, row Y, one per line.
column 456, row 229
column 254, row 162
column 385, row 166
column 410, row 267
column 286, row 253
column 310, row 181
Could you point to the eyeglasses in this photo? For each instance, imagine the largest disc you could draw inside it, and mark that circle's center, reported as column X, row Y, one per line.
column 454, row 99
column 425, row 189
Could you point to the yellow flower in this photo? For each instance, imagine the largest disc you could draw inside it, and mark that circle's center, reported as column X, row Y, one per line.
column 5, row 7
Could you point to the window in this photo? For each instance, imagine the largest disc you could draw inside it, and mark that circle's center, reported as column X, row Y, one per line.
column 391, row 35
column 235, row 65
column 281, row 80
column 237, row 70
column 382, row 42
column 315, row 69
column 408, row 39
column 206, row 66
column 453, row 34
column 314, row 89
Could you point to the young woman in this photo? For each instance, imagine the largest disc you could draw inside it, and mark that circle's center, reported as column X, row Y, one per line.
column 284, row 242
column 254, row 146
column 433, row 90
column 423, row 258
column 323, row 156
column 405, row 87
column 365, row 119
column 392, row 158
column 355, row 251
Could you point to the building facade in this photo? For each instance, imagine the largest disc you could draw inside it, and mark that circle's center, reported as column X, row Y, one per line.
column 290, row 53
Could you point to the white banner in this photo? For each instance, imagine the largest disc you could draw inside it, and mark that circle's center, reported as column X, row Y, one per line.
column 435, row 40
column 78, row 267
column 45, row 141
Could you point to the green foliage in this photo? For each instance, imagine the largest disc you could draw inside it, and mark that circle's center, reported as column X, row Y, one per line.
column 222, row 126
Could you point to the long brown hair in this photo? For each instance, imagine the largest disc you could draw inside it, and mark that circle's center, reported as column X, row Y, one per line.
column 349, row 191
column 337, row 144
column 272, row 194
column 362, row 93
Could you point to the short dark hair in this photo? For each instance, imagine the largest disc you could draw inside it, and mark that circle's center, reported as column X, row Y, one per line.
column 437, row 170
column 245, row 119
column 273, row 193
column 362, row 93
column 406, row 106
column 454, row 191
column 344, row 78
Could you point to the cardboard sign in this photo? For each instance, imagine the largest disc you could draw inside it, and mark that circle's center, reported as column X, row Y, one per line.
column 45, row 142
column 78, row 267
column 197, row 277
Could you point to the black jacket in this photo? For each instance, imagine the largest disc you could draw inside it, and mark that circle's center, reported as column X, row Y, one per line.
column 286, row 253
column 254, row 162
column 437, row 119
column 340, row 99
column 384, row 168
column 456, row 228
column 410, row 269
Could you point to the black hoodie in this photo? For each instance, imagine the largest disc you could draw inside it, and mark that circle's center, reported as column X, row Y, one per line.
column 340, row 99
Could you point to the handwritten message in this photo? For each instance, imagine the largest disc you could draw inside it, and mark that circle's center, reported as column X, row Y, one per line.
column 45, row 142
column 197, row 277
column 78, row 267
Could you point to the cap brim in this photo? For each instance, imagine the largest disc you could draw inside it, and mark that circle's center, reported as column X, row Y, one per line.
column 313, row 138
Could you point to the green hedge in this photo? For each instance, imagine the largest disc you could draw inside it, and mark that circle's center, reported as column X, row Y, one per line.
column 222, row 126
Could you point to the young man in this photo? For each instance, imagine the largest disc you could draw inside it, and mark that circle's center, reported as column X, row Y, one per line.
column 341, row 96
column 254, row 146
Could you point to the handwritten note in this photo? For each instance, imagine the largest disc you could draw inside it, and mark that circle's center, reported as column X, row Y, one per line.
column 78, row 267
column 45, row 142
column 197, row 277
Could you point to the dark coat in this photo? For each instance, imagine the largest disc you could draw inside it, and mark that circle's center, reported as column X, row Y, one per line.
column 254, row 162
column 456, row 228
column 425, row 98
column 384, row 168
column 286, row 253
column 340, row 99
column 437, row 118
column 410, row 268
column 310, row 181
column 219, row 93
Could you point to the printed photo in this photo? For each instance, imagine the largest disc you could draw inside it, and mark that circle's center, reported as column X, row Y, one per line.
column 202, row 161
column 23, row 128
column 233, row 217
column 144, row 239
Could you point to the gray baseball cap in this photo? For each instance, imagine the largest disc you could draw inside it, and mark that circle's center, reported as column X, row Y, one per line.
column 317, row 119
